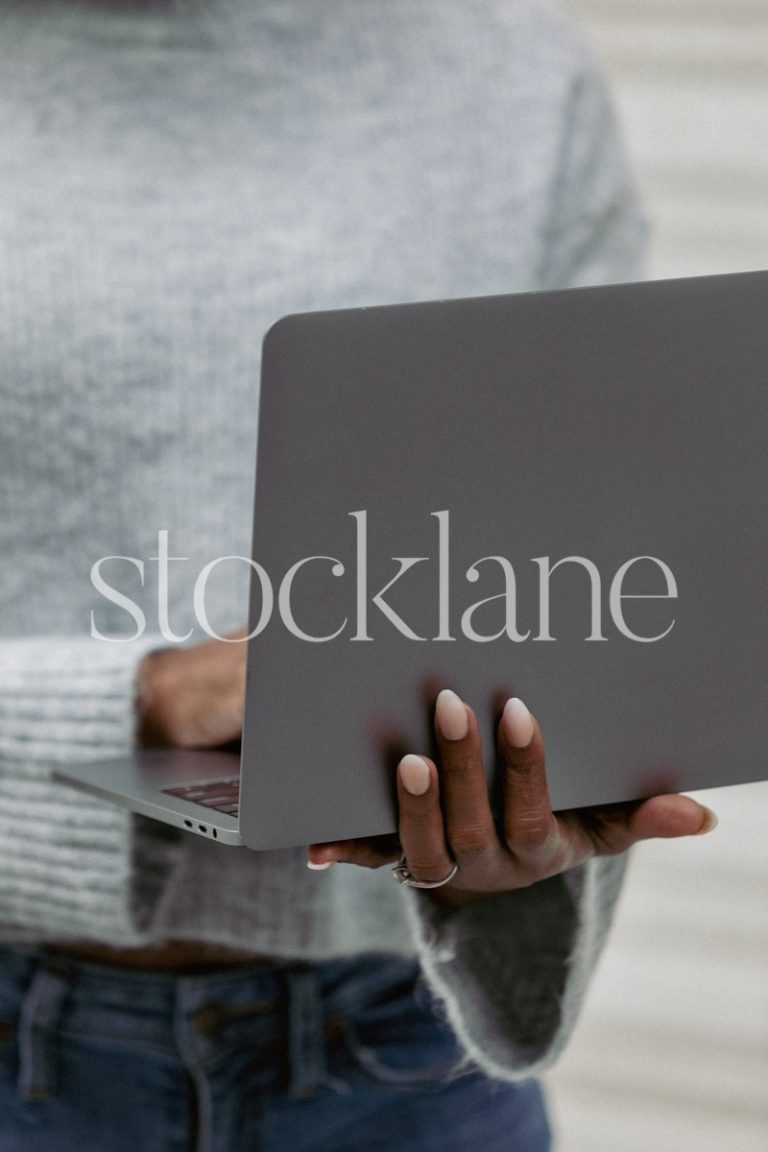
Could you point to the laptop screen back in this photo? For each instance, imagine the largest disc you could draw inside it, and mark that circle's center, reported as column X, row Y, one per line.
column 560, row 496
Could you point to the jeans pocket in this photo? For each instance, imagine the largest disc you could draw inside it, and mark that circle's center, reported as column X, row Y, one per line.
column 401, row 1042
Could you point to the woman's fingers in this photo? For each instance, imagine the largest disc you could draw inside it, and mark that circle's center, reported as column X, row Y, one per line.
column 467, row 813
column 666, row 817
column 531, row 831
column 422, row 831
column 617, row 827
column 370, row 852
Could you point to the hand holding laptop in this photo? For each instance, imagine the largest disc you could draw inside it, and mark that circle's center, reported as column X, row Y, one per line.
column 446, row 825
column 193, row 697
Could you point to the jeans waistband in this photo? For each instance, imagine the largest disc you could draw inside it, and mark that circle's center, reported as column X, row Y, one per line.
column 291, row 1006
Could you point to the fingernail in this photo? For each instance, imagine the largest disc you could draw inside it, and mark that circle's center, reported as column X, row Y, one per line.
column 451, row 715
column 517, row 723
column 414, row 774
column 320, row 867
column 710, row 821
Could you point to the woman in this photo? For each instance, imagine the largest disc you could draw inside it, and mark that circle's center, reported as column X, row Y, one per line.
column 175, row 176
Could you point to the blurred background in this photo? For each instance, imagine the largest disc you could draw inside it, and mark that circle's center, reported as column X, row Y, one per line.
column 671, row 1054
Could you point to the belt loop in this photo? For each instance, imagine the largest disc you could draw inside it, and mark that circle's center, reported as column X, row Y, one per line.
column 306, row 1037
column 40, row 1015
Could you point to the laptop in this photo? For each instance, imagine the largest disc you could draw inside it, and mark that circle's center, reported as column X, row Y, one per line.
column 558, row 495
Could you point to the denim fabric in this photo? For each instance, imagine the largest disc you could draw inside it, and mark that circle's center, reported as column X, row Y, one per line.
column 341, row 1056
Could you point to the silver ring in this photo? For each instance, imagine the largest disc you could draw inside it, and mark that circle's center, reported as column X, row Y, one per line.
column 403, row 876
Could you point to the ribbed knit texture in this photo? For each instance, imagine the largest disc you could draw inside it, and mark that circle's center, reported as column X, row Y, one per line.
column 173, row 178
column 62, row 854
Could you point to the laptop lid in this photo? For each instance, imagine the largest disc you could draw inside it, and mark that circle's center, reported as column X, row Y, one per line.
column 557, row 495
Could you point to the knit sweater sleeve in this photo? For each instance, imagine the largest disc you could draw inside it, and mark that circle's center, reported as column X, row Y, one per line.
column 513, row 970
column 597, row 230
column 66, row 859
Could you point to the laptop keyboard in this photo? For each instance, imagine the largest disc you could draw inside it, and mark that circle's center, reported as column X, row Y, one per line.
column 221, row 795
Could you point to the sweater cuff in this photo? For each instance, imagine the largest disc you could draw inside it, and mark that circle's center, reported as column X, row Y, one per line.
column 66, row 858
column 512, row 970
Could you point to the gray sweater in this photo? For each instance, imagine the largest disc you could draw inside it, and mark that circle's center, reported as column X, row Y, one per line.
column 174, row 176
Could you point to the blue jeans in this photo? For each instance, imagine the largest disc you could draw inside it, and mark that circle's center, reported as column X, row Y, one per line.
column 345, row 1056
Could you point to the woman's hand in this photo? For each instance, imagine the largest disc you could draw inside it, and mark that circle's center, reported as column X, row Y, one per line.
column 193, row 697
column 445, row 814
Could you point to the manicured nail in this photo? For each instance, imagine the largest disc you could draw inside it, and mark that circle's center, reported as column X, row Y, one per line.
column 517, row 723
column 451, row 715
column 320, row 867
column 710, row 822
column 414, row 775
